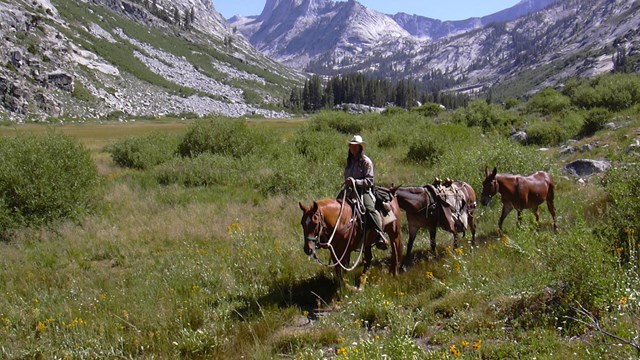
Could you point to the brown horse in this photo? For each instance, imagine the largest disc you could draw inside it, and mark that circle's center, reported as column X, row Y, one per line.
column 425, row 209
column 327, row 224
column 519, row 192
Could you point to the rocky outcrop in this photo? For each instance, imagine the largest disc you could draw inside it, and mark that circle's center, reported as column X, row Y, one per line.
column 106, row 71
column 61, row 80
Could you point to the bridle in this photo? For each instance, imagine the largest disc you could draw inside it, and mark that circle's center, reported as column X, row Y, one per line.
column 319, row 230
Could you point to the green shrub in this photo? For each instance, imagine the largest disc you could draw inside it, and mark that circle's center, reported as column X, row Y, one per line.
column 389, row 140
column 545, row 133
column 428, row 109
column 614, row 92
column 394, row 110
column 317, row 146
column 548, row 101
column 622, row 224
column 511, row 103
column 595, row 120
column 578, row 273
column 338, row 120
column 43, row 179
column 143, row 152
column 510, row 157
column 424, row 151
column 220, row 136
column 487, row 116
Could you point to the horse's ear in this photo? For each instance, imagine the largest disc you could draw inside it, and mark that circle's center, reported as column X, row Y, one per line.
column 486, row 170
column 495, row 171
column 302, row 207
column 315, row 206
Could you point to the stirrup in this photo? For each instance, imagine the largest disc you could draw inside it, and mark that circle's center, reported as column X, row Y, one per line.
column 383, row 242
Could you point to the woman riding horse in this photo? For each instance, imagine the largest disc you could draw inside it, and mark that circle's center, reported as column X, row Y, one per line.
column 359, row 171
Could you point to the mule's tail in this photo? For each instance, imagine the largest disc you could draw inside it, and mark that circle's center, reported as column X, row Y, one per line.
column 550, row 204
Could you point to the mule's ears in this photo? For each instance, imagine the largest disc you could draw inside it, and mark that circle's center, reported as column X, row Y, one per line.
column 492, row 174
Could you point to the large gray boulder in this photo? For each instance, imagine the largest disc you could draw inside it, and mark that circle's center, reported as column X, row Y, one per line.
column 587, row 167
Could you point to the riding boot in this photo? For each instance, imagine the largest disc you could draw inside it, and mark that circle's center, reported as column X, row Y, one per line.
column 374, row 216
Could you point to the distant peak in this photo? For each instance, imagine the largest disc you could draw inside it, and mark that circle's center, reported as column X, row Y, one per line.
column 287, row 6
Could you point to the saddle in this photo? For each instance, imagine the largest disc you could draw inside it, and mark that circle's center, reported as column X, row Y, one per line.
column 452, row 201
column 383, row 198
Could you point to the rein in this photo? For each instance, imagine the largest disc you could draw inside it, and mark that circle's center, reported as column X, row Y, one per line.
column 335, row 228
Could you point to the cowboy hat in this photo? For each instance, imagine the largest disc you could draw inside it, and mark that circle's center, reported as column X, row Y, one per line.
column 356, row 140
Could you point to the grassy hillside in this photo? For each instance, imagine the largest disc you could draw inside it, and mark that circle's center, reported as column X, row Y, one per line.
column 201, row 256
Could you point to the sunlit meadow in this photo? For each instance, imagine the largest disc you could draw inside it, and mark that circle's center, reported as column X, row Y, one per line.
column 200, row 256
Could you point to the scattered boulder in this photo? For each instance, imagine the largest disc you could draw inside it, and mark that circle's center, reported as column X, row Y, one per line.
column 61, row 80
column 634, row 147
column 13, row 96
column 519, row 137
column 587, row 167
column 48, row 105
column 16, row 58
column 567, row 149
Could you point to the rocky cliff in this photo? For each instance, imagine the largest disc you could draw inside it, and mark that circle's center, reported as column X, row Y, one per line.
column 92, row 59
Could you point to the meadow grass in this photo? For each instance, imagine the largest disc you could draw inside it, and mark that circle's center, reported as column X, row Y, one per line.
column 216, row 269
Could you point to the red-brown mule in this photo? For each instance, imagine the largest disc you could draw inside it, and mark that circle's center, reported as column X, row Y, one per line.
column 519, row 192
column 321, row 218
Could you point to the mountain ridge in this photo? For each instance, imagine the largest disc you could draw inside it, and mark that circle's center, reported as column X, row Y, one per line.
column 577, row 37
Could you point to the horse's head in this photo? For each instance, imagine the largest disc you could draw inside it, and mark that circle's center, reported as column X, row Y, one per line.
column 312, row 225
column 489, row 185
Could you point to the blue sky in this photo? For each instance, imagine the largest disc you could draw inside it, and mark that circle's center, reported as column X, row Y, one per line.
column 437, row 9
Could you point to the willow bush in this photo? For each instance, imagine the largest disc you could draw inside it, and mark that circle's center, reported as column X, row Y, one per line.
column 221, row 136
column 143, row 152
column 43, row 179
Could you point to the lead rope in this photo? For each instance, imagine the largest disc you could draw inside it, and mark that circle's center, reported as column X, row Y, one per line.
column 346, row 249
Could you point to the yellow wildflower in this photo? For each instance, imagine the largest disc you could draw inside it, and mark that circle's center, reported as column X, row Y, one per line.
column 464, row 343
column 623, row 300
column 40, row 327
column 477, row 345
column 454, row 351
column 457, row 267
column 448, row 250
column 428, row 275
column 459, row 251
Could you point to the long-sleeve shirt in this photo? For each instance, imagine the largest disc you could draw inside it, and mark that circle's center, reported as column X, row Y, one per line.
column 361, row 170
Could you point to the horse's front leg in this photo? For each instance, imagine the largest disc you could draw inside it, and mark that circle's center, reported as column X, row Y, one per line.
column 506, row 209
column 413, row 230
